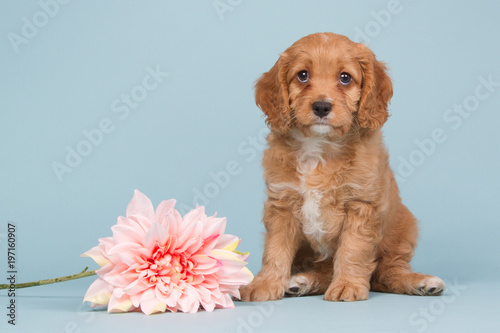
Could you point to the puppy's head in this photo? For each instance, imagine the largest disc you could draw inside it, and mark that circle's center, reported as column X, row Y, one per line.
column 324, row 84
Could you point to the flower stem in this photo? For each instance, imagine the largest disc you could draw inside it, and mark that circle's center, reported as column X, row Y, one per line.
column 80, row 275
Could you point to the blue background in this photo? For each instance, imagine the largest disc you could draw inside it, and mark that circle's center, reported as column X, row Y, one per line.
column 70, row 74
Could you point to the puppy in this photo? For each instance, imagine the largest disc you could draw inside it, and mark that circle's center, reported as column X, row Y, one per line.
column 334, row 219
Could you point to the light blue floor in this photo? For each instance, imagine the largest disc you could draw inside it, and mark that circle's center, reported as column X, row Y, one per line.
column 467, row 307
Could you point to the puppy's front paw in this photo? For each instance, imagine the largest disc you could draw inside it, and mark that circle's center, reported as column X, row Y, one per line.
column 262, row 289
column 347, row 292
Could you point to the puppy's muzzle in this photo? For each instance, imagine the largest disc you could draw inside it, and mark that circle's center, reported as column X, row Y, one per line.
column 321, row 108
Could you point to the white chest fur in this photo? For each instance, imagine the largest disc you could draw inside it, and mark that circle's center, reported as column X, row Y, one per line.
column 309, row 156
column 312, row 225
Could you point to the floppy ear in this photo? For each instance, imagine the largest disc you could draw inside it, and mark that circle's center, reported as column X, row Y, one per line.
column 376, row 91
column 271, row 95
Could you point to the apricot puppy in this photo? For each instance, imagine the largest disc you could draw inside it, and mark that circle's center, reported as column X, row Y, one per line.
column 334, row 219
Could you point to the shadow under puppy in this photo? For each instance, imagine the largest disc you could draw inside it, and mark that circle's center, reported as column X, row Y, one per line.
column 335, row 223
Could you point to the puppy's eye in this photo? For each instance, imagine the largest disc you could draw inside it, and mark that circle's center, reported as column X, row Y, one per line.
column 303, row 76
column 345, row 78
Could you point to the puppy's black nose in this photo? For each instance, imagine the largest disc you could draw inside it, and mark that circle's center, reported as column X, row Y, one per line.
column 322, row 108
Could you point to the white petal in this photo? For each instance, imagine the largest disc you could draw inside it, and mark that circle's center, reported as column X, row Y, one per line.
column 120, row 302
column 99, row 292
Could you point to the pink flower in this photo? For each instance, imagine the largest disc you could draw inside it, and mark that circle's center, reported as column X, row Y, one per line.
column 158, row 261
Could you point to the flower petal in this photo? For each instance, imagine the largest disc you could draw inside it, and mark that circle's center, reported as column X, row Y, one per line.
column 227, row 242
column 116, row 275
column 99, row 292
column 222, row 300
column 157, row 234
column 190, row 231
column 119, row 302
column 96, row 254
column 153, row 306
column 190, row 246
column 231, row 263
column 172, row 219
column 214, row 225
column 146, row 295
column 127, row 233
column 140, row 205
column 243, row 256
column 137, row 286
column 205, row 264
column 232, row 246
column 226, row 302
column 240, row 278
column 128, row 252
column 189, row 302
column 209, row 244
column 169, row 299
column 193, row 216
column 143, row 222
column 163, row 209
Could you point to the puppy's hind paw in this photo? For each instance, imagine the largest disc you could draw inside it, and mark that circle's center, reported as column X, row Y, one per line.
column 300, row 285
column 431, row 286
